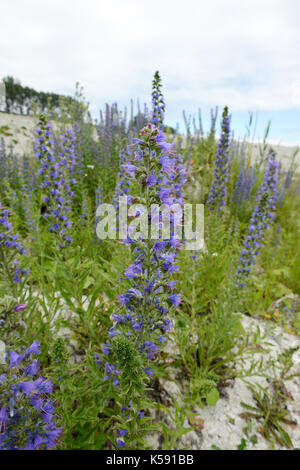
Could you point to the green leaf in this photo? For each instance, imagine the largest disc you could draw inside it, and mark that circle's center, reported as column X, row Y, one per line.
column 242, row 445
column 284, row 435
column 212, row 397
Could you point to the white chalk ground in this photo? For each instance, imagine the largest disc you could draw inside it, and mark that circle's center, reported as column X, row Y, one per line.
column 222, row 424
column 22, row 130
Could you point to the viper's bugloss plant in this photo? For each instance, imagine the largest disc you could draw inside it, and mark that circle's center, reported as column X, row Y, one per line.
column 243, row 186
column 260, row 220
column 218, row 190
column 141, row 326
column 57, row 180
column 68, row 161
column 11, row 250
column 68, row 171
column 26, row 410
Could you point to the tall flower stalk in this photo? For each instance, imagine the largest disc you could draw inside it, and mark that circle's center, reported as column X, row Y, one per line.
column 56, row 180
column 243, row 187
column 260, row 220
column 11, row 250
column 218, row 190
column 158, row 103
column 141, row 325
column 125, row 154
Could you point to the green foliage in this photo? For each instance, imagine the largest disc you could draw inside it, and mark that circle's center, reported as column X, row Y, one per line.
column 271, row 411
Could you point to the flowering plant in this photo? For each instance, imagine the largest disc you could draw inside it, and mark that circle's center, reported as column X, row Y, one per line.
column 10, row 250
column 218, row 190
column 262, row 216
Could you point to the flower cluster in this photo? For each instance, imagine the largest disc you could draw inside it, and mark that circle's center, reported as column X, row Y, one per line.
column 10, row 248
column 26, row 410
column 262, row 215
column 218, row 190
column 57, row 174
column 161, row 177
column 68, row 160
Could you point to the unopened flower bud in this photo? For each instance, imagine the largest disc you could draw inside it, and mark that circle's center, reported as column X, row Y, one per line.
column 20, row 307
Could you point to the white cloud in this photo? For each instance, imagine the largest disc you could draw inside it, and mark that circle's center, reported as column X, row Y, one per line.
column 296, row 93
column 241, row 53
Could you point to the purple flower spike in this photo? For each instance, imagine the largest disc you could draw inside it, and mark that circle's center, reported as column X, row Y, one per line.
column 141, row 322
column 218, row 190
column 262, row 215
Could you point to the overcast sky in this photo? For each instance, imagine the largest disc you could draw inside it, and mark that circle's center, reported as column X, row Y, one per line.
column 243, row 53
